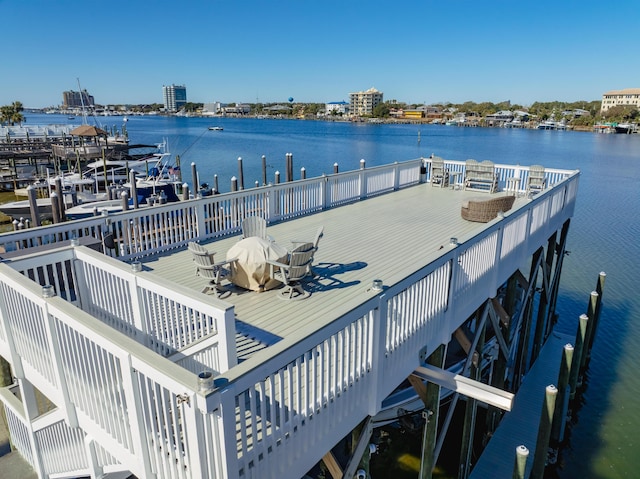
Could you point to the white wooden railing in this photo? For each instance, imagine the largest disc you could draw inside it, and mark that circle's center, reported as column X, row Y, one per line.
column 277, row 413
column 148, row 231
column 143, row 232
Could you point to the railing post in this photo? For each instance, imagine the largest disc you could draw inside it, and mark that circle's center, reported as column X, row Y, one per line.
column 326, row 200
column 92, row 457
column 378, row 353
column 396, row 176
column 227, row 330
column 229, row 467
column 363, row 179
column 195, row 439
column 201, row 227
column 58, row 366
column 30, row 412
column 131, row 388
column 136, row 307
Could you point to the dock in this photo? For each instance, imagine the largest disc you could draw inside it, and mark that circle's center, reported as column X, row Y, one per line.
column 520, row 425
column 149, row 376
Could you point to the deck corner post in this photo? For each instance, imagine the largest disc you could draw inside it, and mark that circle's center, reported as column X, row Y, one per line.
column 378, row 354
column 226, row 460
column 227, row 329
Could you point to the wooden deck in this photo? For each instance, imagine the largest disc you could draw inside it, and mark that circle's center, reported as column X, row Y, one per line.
column 418, row 225
column 115, row 349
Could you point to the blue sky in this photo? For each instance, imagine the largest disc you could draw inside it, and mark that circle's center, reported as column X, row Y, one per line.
column 318, row 51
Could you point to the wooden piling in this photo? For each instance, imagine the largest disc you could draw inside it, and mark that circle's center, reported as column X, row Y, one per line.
column 185, row 191
column 234, row 183
column 194, row 177
column 178, row 169
column 55, row 207
column 277, row 177
column 562, row 402
column 134, row 189
column 520, row 464
column 335, row 168
column 594, row 298
column 216, row 188
column 124, row 198
column 264, row 170
column 363, row 164
column 574, row 374
column 303, row 173
column 430, row 395
column 240, row 174
column 33, row 204
column 61, row 209
column 602, row 276
column 544, row 431
column 288, row 174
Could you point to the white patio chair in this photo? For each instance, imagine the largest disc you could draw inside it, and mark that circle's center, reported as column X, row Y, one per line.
column 439, row 174
column 209, row 269
column 292, row 274
column 537, row 181
column 254, row 226
column 314, row 242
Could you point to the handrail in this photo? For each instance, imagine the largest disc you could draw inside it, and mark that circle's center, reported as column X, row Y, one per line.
column 151, row 230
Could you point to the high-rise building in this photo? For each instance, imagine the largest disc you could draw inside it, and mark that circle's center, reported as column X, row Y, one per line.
column 77, row 99
column 363, row 102
column 175, row 97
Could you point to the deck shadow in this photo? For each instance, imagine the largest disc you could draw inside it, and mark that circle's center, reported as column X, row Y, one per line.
column 325, row 276
column 259, row 338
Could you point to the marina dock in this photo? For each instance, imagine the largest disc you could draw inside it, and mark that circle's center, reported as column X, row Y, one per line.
column 520, row 425
column 151, row 377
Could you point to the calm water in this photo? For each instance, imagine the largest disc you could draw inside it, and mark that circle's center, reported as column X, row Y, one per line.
column 605, row 437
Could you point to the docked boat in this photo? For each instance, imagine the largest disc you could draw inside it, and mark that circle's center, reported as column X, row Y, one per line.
column 552, row 125
column 625, row 128
column 21, row 209
column 216, row 128
column 159, row 186
column 148, row 193
column 144, row 160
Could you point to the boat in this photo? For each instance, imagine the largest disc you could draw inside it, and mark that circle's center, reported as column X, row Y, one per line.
column 21, row 210
column 159, row 186
column 144, row 160
column 551, row 125
column 149, row 193
column 625, row 128
column 216, row 128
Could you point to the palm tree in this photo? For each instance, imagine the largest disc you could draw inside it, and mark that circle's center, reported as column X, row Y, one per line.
column 12, row 114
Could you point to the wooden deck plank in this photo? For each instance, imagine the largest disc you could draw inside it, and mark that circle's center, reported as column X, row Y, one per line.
column 355, row 250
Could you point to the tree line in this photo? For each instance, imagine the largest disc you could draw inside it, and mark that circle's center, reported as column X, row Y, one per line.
column 554, row 110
